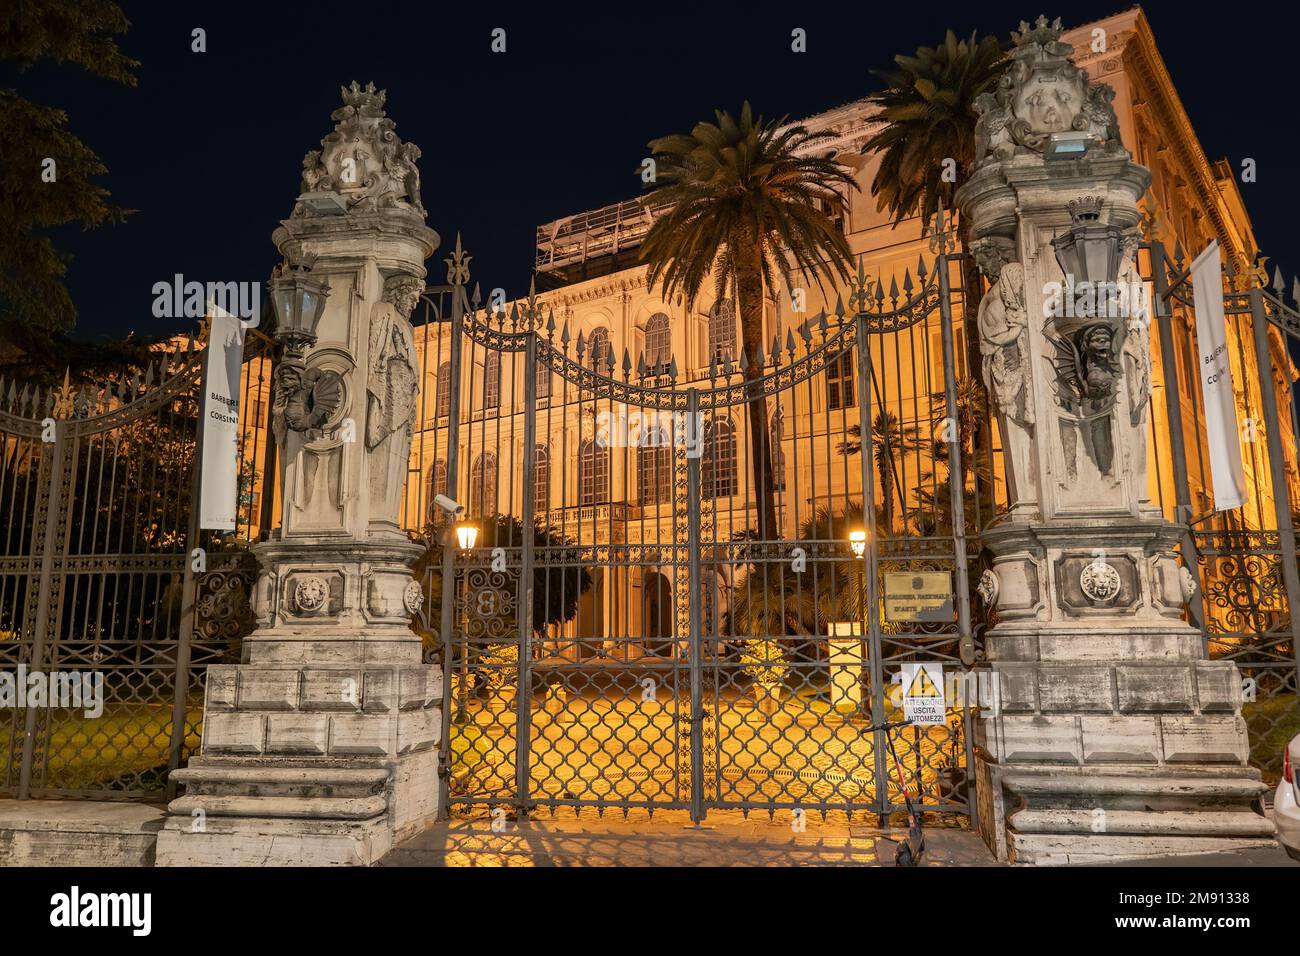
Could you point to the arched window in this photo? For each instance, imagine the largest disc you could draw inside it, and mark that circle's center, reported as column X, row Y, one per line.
column 598, row 349
column 658, row 344
column 541, row 479
column 437, row 486
column 722, row 332
column 839, row 381
column 492, row 380
column 654, row 467
column 483, row 485
column 593, row 473
column 442, row 399
column 777, row 433
column 718, row 469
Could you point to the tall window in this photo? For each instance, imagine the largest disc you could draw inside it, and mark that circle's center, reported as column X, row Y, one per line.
column 492, row 380
column 442, row 397
column 658, row 344
column 541, row 479
column 777, row 433
column 722, row 332
column 437, row 486
column 834, row 211
column 543, row 382
column 598, row 349
column 839, row 381
column 483, row 485
column 593, row 473
column 718, row 469
column 654, row 466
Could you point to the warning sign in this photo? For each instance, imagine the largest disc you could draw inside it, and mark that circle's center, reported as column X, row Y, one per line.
column 923, row 695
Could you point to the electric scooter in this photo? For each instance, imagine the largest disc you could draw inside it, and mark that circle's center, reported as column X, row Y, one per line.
column 908, row 853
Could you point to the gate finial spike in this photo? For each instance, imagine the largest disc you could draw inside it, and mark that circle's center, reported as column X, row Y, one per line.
column 893, row 289
column 1278, row 285
column 627, row 363
column 907, row 282
column 582, row 347
column 789, row 342
column 672, row 370
column 564, row 336
column 1295, row 290
column 805, row 333
column 822, row 325
column 550, row 322
column 640, row 365
column 476, row 298
column 742, row 364
column 920, row 267
column 760, row 358
column 514, row 315
column 1178, row 253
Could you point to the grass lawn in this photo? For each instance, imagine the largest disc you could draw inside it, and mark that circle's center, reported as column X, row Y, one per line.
column 1271, row 722
column 124, row 749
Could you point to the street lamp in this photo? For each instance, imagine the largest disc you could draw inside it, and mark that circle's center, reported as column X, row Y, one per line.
column 466, row 535
column 1090, row 251
column 299, row 301
column 858, row 542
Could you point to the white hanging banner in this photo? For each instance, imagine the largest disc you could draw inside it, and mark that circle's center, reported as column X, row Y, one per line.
column 1222, row 437
column 219, row 477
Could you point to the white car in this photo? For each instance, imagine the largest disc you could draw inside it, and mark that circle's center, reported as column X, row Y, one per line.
column 1286, row 801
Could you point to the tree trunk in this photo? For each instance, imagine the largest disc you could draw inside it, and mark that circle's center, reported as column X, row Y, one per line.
column 749, row 291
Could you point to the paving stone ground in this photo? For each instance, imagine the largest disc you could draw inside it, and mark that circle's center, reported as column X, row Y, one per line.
column 728, row 839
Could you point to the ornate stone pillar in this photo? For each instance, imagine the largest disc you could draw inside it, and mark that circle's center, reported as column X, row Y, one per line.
column 321, row 747
column 1113, row 736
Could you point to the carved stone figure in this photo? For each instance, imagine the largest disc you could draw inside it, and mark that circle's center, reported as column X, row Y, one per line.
column 1042, row 93
column 392, row 386
column 362, row 161
column 1003, row 322
column 1137, row 333
column 1087, row 379
column 304, row 399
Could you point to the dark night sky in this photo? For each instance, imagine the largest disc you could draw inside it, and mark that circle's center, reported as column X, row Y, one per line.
column 209, row 146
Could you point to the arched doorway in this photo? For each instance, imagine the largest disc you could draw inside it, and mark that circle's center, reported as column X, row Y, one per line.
column 657, row 614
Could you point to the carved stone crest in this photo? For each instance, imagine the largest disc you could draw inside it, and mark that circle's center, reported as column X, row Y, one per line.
column 1042, row 93
column 362, row 163
column 1100, row 582
column 310, row 593
column 1187, row 582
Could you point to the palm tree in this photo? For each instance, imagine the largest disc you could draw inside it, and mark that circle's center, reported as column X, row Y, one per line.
column 743, row 201
column 772, row 600
column 890, row 440
column 928, row 111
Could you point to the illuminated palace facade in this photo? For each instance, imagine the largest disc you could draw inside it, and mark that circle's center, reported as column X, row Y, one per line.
column 588, row 278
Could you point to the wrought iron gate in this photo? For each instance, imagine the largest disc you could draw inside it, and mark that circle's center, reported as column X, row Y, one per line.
column 1246, row 559
column 642, row 636
column 100, row 581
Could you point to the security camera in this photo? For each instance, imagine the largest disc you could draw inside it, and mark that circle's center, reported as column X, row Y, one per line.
column 453, row 508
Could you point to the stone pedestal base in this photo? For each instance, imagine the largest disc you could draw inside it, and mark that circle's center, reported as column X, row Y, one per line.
column 1078, row 815
column 308, row 766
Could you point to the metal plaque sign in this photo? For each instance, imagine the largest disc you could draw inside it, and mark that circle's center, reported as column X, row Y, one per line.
column 925, row 596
